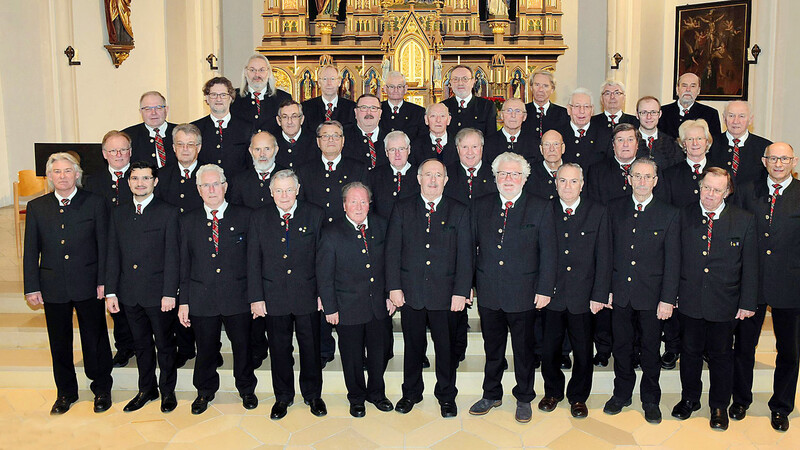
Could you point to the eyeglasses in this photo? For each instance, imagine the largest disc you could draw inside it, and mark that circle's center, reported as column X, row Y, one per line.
column 118, row 151
column 460, row 79
column 288, row 191
column 774, row 159
column 552, row 144
column 327, row 137
column 648, row 113
column 365, row 108
column 706, row 188
column 292, row 117
column 135, row 178
column 395, row 86
column 397, row 149
column 215, row 185
column 612, row 93
column 582, row 106
column 640, row 177
column 253, row 71
column 513, row 111
column 221, row 95
column 157, row 108
column 184, row 145
column 514, row 175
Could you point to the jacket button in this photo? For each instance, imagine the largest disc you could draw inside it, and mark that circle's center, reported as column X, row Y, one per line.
column 569, row 268
column 219, row 270
column 705, row 270
column 135, row 266
column 501, row 263
column 427, row 263
column 769, row 252
column 66, row 256
column 368, row 266
column 289, row 272
column 630, row 279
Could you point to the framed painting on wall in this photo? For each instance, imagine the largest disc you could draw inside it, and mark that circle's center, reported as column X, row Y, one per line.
column 711, row 41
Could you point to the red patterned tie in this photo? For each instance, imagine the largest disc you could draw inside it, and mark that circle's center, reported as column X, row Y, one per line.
column 116, row 186
column 469, row 180
column 685, row 112
column 568, row 211
column 430, row 214
column 581, row 132
column 286, row 218
column 258, row 101
column 626, row 170
column 508, row 206
column 399, row 180
column 462, row 104
column 541, row 121
column 363, row 229
column 613, row 119
column 696, row 169
column 329, row 112
column 735, row 164
column 396, row 109
column 710, row 228
column 139, row 209
column 215, row 230
column 512, row 139
column 775, row 194
column 264, row 176
column 650, row 142
column 553, row 173
column 162, row 154
column 65, row 201
column 186, row 174
column 639, row 206
column 373, row 157
column 219, row 128
column 330, row 166
column 292, row 141
column 439, row 147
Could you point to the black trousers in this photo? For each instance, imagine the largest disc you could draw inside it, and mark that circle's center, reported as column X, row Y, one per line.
column 672, row 335
column 374, row 337
column 462, row 327
column 207, row 332
column 94, row 342
column 123, row 338
column 153, row 334
column 280, row 330
column 443, row 326
column 258, row 338
column 602, row 332
column 185, row 338
column 538, row 336
column 624, row 321
column 716, row 339
column 578, row 329
column 745, row 340
column 495, row 326
column 786, row 324
column 327, row 341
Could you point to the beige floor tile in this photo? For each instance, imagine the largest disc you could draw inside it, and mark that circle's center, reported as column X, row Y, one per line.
column 299, row 417
column 202, row 430
column 574, row 438
column 417, row 418
column 607, row 432
column 158, row 430
column 463, row 440
column 432, row 433
column 494, row 434
column 649, row 434
column 319, row 431
column 379, row 427
column 687, row 437
column 265, row 430
column 543, row 431
column 232, row 437
column 345, row 440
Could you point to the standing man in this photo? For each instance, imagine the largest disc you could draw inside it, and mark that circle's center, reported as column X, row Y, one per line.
column 774, row 201
column 258, row 97
column 612, row 99
column 467, row 110
column 365, row 138
column 471, row 178
column 514, row 136
column 296, row 146
column 143, row 275
column 663, row 148
column 66, row 235
column 328, row 106
column 543, row 114
column 644, row 286
column 394, row 181
column 176, row 182
column 585, row 144
column 111, row 185
column 511, row 285
column 542, row 182
column 281, row 260
column 438, row 143
column 251, row 187
column 686, row 107
column 399, row 114
column 719, row 285
column 608, row 179
column 224, row 136
column 737, row 150
column 213, row 286
column 429, row 275
column 350, row 276
column 151, row 140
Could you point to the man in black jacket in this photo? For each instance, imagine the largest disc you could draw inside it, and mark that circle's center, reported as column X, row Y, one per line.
column 437, row 142
column 329, row 105
column 429, row 276
column 687, row 108
column 399, row 114
column 296, row 145
column 737, row 150
column 467, row 110
column 143, row 271
column 469, row 178
column 251, row 187
column 585, row 143
column 151, row 140
column 612, row 100
column 394, row 181
column 542, row 114
column 64, row 270
column 653, row 142
column 350, row 276
column 514, row 137
column 258, row 97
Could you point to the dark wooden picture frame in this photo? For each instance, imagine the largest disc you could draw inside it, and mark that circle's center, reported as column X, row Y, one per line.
column 711, row 40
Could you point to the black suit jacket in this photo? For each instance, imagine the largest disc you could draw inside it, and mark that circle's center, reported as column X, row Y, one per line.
column 423, row 148
column 282, row 265
column 555, row 119
column 215, row 285
column 601, row 120
column 115, row 193
column 314, row 112
column 715, row 286
column 508, row 279
column 294, row 155
column 410, row 119
column 671, row 118
column 143, row 147
column 526, row 145
column 777, row 242
column 429, row 267
column 606, row 181
column 143, row 254
column 324, row 189
column 457, row 186
column 350, row 278
column 540, row 183
column 665, row 152
column 479, row 113
column 230, row 151
column 387, row 189
column 647, row 253
column 245, row 108
column 176, row 190
column 65, row 247
column 751, row 167
column 583, row 266
column 593, row 147
column 356, row 147
column 248, row 189
column 680, row 185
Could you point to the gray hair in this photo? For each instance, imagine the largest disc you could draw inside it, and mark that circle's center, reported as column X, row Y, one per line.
column 210, row 168
column 689, row 124
column 616, row 83
column 419, row 169
column 464, row 132
column 335, row 123
column 581, row 91
column 155, row 94
column 546, row 73
column 283, row 175
column 394, row 135
column 271, row 89
column 646, row 160
column 395, row 74
column 573, row 165
column 430, row 107
column 355, row 185
column 63, row 156
column 511, row 157
column 745, row 102
column 270, row 135
column 188, row 128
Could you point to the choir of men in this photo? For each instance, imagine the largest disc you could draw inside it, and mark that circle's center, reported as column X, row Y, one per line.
column 170, row 245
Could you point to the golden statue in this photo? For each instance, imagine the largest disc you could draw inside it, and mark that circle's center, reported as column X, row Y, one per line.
column 118, row 22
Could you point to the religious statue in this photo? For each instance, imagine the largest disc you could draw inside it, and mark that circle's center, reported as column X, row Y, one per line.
column 481, row 87
column 437, row 72
column 327, row 8
column 118, row 22
column 371, row 84
column 346, row 88
column 517, row 86
column 386, row 65
column 498, row 9
column 306, row 87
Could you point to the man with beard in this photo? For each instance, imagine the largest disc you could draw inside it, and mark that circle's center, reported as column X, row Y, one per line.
column 258, row 97
column 251, row 187
column 687, row 108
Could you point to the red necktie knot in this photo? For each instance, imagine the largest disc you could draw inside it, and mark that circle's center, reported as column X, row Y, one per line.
column 777, row 190
column 214, row 214
column 462, row 103
column 139, row 209
column 369, row 136
column 736, row 142
column 264, row 176
column 541, row 110
column 439, row 147
column 639, row 207
column 329, row 112
column 330, row 166
column 509, row 204
column 512, row 139
column 118, row 174
column 186, row 174
column 553, row 173
column 569, row 211
column 292, row 141
column 471, row 172
column 613, row 119
column 582, row 132
column 256, row 95
column 711, row 215
column 685, row 112
column 286, row 218
column 396, row 109
column 65, row 201
column 432, row 207
column 696, row 169
column 650, row 142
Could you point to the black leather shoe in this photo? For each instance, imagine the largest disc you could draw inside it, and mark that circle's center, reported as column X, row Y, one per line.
column 63, row 404
column 279, row 410
column 181, row 360
column 537, row 361
column 318, row 407
column 405, row 405
column 614, row 406
column 383, row 404
column 719, row 419
column 426, row 363
column 168, row 402
column 358, row 410
column 102, row 402
column 548, row 404
column 249, row 401
column 652, row 412
column 566, row 362
column 600, row 360
column 449, row 409
column 737, row 411
column 141, row 399
column 200, row 404
column 669, row 360
column 578, row 410
column 220, row 361
column 684, row 409
column 122, row 358
column 779, row 422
